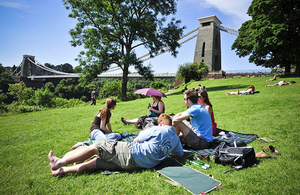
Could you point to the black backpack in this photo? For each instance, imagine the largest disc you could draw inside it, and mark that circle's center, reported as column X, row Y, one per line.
column 238, row 157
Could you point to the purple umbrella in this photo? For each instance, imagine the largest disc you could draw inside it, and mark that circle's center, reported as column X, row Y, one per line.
column 150, row 91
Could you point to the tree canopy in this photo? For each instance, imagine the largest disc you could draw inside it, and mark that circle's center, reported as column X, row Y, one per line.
column 192, row 71
column 272, row 36
column 111, row 30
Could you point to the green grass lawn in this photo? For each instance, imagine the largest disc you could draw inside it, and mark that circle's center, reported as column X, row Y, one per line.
column 274, row 113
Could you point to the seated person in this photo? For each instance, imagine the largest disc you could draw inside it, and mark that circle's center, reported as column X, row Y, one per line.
column 204, row 100
column 273, row 79
column 198, row 134
column 250, row 90
column 147, row 150
column 155, row 110
column 280, row 83
column 101, row 127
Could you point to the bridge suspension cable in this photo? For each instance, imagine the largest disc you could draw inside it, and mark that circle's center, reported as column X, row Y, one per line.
column 46, row 68
column 17, row 69
column 114, row 68
column 183, row 36
column 229, row 30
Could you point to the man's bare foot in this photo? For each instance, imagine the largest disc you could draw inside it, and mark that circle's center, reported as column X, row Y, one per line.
column 58, row 172
column 76, row 145
column 54, row 165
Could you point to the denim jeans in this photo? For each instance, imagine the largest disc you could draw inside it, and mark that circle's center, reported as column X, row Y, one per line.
column 97, row 135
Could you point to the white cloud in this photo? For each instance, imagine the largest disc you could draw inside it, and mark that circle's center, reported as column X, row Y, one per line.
column 10, row 4
column 236, row 9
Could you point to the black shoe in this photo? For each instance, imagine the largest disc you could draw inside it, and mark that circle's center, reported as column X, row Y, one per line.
column 122, row 119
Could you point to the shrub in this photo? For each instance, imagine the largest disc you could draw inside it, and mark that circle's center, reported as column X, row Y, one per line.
column 84, row 98
column 21, row 92
column 44, row 98
column 18, row 107
column 157, row 85
column 192, row 71
column 111, row 89
column 64, row 103
column 3, row 106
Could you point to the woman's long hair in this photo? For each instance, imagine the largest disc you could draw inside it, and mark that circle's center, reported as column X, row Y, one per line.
column 204, row 94
column 252, row 87
column 110, row 102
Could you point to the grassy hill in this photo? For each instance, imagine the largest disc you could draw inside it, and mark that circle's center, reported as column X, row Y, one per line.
column 274, row 113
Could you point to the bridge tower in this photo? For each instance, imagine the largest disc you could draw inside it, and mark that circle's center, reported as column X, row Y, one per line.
column 208, row 45
column 29, row 69
column 27, row 66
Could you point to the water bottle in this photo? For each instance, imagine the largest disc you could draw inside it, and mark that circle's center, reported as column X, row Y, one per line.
column 90, row 141
column 231, row 134
column 124, row 134
column 199, row 164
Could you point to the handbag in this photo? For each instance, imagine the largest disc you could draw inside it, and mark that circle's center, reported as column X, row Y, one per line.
column 238, row 157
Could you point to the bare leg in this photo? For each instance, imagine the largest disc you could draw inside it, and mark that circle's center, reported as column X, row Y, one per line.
column 132, row 121
column 76, row 145
column 181, row 130
column 238, row 91
column 75, row 169
column 231, row 93
column 79, row 156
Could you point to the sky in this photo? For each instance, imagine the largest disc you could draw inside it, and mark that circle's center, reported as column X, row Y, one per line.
column 41, row 28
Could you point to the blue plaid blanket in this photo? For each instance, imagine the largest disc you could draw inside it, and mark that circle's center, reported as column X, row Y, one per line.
column 239, row 137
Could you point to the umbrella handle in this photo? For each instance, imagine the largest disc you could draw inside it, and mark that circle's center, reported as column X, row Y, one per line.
column 149, row 100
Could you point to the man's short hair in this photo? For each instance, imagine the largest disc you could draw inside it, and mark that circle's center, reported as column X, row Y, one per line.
column 192, row 95
column 165, row 119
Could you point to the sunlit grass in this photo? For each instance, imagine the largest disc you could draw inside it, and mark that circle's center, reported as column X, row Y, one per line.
column 274, row 113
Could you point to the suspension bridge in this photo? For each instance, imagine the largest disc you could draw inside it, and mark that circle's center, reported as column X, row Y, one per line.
column 208, row 50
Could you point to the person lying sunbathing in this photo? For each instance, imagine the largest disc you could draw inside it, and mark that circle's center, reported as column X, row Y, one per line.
column 250, row 90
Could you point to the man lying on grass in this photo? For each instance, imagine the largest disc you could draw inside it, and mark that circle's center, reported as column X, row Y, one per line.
column 147, row 150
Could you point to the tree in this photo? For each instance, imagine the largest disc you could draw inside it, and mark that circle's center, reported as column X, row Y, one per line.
column 77, row 69
column 272, row 36
column 192, row 71
column 5, row 79
column 20, row 92
column 111, row 30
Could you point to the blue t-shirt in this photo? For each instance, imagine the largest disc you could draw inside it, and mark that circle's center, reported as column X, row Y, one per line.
column 201, row 121
column 155, row 144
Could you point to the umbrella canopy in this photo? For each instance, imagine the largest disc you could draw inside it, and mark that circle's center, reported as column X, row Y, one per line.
column 150, row 91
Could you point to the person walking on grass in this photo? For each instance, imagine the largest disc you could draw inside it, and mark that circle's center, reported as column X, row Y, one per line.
column 147, row 150
column 198, row 134
column 93, row 96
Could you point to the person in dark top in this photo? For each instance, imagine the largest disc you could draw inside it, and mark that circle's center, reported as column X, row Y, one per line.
column 101, row 127
column 93, row 96
column 155, row 110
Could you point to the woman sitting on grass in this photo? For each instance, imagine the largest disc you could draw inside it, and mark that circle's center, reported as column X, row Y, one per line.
column 155, row 110
column 250, row 90
column 101, row 127
column 204, row 100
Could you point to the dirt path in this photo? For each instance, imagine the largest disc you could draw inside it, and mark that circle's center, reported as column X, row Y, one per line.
column 169, row 91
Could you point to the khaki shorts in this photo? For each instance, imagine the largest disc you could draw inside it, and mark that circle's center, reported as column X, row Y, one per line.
column 115, row 155
column 195, row 141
